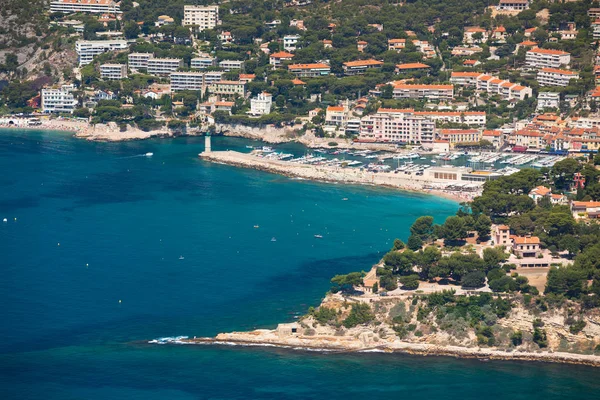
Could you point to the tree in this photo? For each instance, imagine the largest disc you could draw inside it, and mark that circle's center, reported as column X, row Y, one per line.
column 410, row 282
column 568, row 281
column 346, row 283
column 569, row 243
column 400, row 263
column 11, row 62
column 398, row 244
column 492, row 257
column 473, row 280
column 517, row 338
column 131, row 30
column 454, row 229
column 422, row 227
column 414, row 243
column 483, row 226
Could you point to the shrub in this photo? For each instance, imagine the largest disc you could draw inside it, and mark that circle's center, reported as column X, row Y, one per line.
column 577, row 327
column 517, row 338
column 538, row 323
column 495, row 273
column 324, row 315
column 540, row 338
column 359, row 314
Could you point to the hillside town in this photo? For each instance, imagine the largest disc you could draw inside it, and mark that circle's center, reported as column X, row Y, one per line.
column 521, row 80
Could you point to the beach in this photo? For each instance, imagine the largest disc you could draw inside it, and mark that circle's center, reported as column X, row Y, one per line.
column 410, row 183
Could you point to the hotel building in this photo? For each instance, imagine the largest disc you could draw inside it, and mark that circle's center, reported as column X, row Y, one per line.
column 59, row 100
column 85, row 6
column 88, row 49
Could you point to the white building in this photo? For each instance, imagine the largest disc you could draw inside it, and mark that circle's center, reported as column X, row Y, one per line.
column 187, row 81
column 464, row 78
column 85, row 6
column 290, row 42
column 113, row 71
column 212, row 77
column 202, row 62
column 261, row 105
column 513, row 5
column 88, row 49
column 59, row 100
column 228, row 65
column 164, row 66
column 555, row 77
column 548, row 100
column 336, row 116
column 204, row 17
column 228, row 88
column 546, row 58
column 398, row 126
column 137, row 61
column 430, row 92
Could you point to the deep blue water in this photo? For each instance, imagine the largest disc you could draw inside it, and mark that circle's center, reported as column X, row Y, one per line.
column 91, row 268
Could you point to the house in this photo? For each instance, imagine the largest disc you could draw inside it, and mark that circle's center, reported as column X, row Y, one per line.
column 501, row 235
column 526, row 246
column 327, row 44
column 290, row 42
column 278, row 59
column 539, row 193
column 412, row 67
column 261, row 104
column 466, row 51
column 495, row 137
column 225, row 38
column 558, row 199
column 548, row 100
column 247, row 77
column 360, row 45
column 298, row 24
column 359, row 67
column 163, row 20
column 396, row 44
column 471, row 63
column 499, row 33
column 585, row 209
column 470, row 31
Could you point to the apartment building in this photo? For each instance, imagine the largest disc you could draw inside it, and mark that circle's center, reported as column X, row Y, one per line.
column 336, row 116
column 596, row 29
column 555, row 77
column 546, row 58
column 59, row 100
column 528, row 138
column 309, row 70
column 290, row 42
column 229, row 65
column 513, row 5
column 228, row 88
column 506, row 89
column 397, row 126
column 88, row 49
column 359, row 67
column 187, row 81
column 430, row 92
column 548, row 100
column 475, row 118
column 396, row 44
column 164, row 66
column 138, row 61
column 277, row 59
column 261, row 104
column 466, row 51
column 202, row 62
column 464, row 78
column 594, row 13
column 85, row 6
column 204, row 17
column 212, row 77
column 460, row 136
column 113, row 71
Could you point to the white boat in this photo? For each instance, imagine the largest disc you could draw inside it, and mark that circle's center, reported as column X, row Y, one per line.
column 149, row 154
column 267, row 149
column 273, row 239
column 422, row 158
column 181, row 257
column 249, row 147
column 318, row 236
column 433, row 161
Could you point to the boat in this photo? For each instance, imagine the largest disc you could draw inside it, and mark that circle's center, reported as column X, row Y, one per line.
column 255, row 226
column 318, row 236
column 181, row 257
column 273, row 239
column 267, row 149
column 433, row 161
column 422, row 158
column 249, row 147
column 149, row 154
column 345, row 199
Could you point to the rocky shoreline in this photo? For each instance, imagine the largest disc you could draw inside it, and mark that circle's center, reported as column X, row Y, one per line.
column 268, row 338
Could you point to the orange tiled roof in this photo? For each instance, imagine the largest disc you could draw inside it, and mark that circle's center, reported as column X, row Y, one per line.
column 412, row 66
column 549, row 51
column 282, row 54
column 559, row 71
column 465, row 74
column 308, row 66
column 361, row 63
column 527, row 240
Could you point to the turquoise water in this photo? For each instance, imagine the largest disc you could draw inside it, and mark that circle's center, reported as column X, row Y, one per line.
column 91, row 269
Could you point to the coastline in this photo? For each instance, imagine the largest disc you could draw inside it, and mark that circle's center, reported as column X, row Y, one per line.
column 268, row 338
column 411, row 184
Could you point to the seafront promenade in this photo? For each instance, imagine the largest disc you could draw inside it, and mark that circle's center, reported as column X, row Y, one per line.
column 421, row 184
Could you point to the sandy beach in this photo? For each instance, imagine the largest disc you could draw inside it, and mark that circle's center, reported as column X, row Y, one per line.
column 410, row 183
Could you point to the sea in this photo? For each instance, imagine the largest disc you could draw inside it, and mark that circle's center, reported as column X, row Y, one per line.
column 105, row 248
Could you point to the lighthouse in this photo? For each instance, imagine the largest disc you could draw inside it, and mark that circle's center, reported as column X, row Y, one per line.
column 207, row 148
